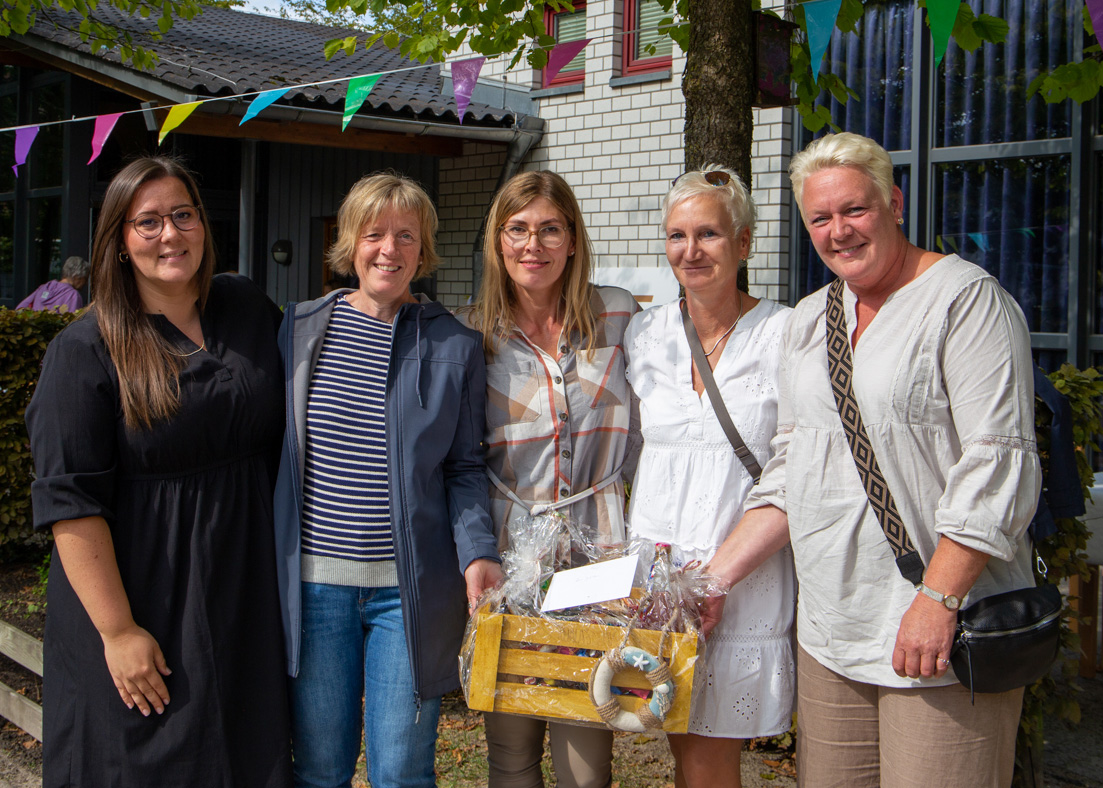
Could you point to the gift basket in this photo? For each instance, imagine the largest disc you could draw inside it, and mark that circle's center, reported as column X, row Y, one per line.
column 626, row 664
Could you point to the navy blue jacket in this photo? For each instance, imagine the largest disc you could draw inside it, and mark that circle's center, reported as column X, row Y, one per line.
column 435, row 406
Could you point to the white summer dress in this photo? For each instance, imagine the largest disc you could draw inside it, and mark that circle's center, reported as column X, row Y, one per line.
column 689, row 492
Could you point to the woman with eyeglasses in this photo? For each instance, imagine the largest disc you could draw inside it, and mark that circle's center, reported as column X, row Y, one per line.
column 691, row 482
column 155, row 428
column 559, row 420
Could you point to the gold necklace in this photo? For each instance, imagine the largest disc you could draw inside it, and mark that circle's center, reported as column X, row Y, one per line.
column 201, row 347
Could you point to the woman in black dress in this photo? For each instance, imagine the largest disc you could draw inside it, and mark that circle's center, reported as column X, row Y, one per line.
column 155, row 427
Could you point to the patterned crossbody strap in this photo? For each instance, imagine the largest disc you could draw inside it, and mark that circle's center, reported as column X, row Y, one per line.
column 705, row 371
column 841, row 369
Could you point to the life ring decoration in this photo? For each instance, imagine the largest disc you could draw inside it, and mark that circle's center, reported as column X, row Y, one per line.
column 650, row 716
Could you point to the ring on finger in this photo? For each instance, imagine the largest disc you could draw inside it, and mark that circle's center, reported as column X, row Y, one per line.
column 943, row 661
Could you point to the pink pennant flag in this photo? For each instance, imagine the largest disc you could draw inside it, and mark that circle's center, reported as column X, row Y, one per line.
column 24, row 138
column 941, row 14
column 465, row 74
column 177, row 115
column 819, row 22
column 1095, row 10
column 105, row 124
column 562, row 54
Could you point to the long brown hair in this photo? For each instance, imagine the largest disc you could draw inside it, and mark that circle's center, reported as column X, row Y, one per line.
column 493, row 310
column 148, row 370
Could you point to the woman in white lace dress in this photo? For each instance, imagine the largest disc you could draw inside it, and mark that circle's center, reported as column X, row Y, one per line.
column 690, row 485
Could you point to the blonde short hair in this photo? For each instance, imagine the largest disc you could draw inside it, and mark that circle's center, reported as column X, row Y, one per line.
column 842, row 150
column 734, row 195
column 368, row 199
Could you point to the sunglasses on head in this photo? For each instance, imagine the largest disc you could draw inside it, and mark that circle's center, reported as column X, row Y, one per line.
column 714, row 177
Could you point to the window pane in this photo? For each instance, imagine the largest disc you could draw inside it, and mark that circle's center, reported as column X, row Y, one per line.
column 7, row 256
column 572, row 27
column 648, row 15
column 877, row 64
column 47, row 153
column 982, row 94
column 7, row 141
column 1011, row 217
column 45, row 251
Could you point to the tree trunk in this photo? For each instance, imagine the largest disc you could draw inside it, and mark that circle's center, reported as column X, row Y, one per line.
column 718, row 86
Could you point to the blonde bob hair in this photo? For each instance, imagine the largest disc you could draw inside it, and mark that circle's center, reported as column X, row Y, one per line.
column 842, row 150
column 733, row 195
column 493, row 310
column 367, row 200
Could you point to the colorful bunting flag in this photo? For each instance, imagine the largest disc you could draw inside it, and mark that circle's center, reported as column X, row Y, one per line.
column 177, row 115
column 564, row 53
column 105, row 124
column 465, row 74
column 941, row 14
column 980, row 241
column 24, row 138
column 819, row 18
column 1095, row 11
column 359, row 88
column 262, row 102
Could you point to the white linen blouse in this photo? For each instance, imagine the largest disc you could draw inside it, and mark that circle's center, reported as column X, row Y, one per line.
column 943, row 378
column 689, row 491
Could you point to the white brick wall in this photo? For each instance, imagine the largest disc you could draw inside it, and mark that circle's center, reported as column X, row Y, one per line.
column 619, row 148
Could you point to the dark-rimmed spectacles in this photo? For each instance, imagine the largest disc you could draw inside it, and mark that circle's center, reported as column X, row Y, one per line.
column 151, row 225
column 715, row 177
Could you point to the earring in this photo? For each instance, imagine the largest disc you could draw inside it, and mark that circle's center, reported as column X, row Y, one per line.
column 124, row 257
column 900, row 221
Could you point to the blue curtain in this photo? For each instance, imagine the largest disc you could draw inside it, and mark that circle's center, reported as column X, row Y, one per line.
column 1010, row 216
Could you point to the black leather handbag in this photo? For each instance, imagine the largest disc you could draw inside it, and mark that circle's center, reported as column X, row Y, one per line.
column 1003, row 641
column 1007, row 640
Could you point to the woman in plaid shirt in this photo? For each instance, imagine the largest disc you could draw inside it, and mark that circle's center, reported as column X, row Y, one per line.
column 561, row 423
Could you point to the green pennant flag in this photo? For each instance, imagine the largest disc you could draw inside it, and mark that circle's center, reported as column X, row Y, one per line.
column 359, row 88
column 941, row 15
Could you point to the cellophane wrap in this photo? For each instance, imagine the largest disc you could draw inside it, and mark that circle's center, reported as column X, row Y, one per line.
column 662, row 611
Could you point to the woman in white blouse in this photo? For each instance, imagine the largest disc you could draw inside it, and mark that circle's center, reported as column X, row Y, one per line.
column 559, row 415
column 690, row 485
column 942, row 377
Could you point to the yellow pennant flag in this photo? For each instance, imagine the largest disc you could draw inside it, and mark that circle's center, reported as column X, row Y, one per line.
column 177, row 115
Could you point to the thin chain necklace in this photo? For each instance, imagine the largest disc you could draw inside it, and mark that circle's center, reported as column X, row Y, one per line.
column 725, row 334
column 204, row 347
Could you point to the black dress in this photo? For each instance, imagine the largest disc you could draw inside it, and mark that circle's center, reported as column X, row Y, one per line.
column 189, row 504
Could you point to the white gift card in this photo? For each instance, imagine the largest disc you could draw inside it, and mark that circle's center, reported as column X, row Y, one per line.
column 586, row 585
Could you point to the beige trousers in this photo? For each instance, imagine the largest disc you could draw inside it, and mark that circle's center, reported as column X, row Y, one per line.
column 582, row 756
column 855, row 735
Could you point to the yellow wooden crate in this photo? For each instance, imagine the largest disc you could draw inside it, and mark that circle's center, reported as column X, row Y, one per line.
column 499, row 665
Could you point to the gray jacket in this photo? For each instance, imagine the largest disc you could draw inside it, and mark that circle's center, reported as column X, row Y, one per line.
column 435, row 411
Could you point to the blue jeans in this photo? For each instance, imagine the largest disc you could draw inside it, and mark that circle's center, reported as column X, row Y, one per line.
column 354, row 656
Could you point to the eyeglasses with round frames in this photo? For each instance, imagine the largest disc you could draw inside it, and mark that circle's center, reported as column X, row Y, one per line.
column 151, row 225
column 550, row 236
column 714, row 177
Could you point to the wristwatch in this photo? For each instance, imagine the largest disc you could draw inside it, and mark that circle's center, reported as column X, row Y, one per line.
column 950, row 601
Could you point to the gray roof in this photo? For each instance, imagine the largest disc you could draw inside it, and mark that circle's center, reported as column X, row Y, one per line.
column 224, row 52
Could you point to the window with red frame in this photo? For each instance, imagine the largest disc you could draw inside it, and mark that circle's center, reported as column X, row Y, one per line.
column 645, row 47
column 567, row 26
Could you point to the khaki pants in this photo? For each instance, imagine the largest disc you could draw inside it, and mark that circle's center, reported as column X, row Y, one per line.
column 582, row 756
column 855, row 735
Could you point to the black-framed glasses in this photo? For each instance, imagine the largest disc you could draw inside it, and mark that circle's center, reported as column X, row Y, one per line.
column 151, row 225
column 714, row 177
column 550, row 236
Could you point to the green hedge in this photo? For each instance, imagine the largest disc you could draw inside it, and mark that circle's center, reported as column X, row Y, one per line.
column 24, row 336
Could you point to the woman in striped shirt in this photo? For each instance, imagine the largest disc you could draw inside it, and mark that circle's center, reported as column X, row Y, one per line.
column 382, row 520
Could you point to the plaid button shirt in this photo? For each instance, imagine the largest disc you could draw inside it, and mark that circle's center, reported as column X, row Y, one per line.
column 556, row 427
